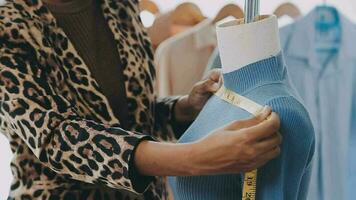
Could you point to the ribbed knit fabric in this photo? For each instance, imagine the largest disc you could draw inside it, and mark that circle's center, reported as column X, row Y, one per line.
column 287, row 177
column 85, row 25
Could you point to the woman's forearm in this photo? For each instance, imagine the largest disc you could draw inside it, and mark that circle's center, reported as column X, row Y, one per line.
column 237, row 147
column 164, row 159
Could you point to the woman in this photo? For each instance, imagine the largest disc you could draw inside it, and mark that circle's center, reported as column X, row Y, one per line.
column 78, row 107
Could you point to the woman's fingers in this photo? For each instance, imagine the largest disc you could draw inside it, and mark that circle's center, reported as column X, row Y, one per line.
column 212, row 83
column 269, row 143
column 263, row 159
column 237, row 125
column 273, row 153
column 265, row 129
column 215, row 75
column 211, row 86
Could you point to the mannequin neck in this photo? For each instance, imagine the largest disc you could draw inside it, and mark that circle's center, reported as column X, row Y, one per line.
column 266, row 71
column 243, row 44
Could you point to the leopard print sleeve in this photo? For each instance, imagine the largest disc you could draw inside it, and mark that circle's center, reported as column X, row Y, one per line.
column 166, row 128
column 74, row 147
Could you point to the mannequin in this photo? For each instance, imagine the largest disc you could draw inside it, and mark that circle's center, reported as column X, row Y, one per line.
column 253, row 67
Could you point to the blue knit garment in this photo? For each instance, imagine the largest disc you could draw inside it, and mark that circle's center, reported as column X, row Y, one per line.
column 287, row 177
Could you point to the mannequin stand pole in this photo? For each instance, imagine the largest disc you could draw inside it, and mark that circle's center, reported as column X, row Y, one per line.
column 252, row 10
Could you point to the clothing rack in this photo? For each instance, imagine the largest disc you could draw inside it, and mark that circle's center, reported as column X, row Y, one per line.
column 252, row 10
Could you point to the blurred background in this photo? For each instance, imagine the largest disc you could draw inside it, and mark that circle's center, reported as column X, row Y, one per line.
column 209, row 8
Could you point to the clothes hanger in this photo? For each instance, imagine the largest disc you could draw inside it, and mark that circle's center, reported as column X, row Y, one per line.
column 327, row 19
column 148, row 10
column 187, row 14
column 149, row 6
column 229, row 10
column 288, row 9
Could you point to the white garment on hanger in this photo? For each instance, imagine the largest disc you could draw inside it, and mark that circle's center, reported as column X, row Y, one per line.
column 182, row 59
column 161, row 29
column 285, row 20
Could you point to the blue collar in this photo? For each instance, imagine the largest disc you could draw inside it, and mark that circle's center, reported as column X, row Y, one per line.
column 300, row 42
column 266, row 71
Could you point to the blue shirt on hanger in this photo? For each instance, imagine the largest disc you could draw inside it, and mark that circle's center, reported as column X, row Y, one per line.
column 322, row 64
column 352, row 149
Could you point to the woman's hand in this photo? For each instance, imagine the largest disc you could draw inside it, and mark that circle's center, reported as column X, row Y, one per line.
column 189, row 106
column 238, row 147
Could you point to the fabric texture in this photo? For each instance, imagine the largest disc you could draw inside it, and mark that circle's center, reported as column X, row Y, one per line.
column 84, row 24
column 182, row 59
column 266, row 82
column 66, row 140
column 322, row 64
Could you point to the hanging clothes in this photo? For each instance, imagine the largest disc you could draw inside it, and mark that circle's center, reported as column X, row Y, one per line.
column 285, row 20
column 161, row 29
column 352, row 147
column 182, row 59
column 322, row 62
column 182, row 18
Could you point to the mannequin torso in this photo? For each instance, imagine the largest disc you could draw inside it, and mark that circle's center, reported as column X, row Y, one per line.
column 254, row 68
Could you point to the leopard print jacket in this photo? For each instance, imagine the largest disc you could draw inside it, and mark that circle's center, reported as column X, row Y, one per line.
column 66, row 141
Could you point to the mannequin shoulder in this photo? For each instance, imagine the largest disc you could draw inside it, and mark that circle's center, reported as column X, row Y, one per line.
column 294, row 117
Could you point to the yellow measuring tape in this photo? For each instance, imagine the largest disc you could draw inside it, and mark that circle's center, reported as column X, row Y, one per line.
column 250, row 178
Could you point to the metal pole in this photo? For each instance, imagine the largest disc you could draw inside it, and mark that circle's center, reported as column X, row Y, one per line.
column 257, row 9
column 252, row 10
